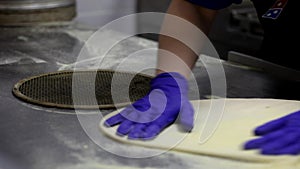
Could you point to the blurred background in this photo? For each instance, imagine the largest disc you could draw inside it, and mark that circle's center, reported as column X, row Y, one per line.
column 237, row 23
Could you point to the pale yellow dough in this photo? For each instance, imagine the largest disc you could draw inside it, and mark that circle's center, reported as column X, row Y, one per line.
column 236, row 126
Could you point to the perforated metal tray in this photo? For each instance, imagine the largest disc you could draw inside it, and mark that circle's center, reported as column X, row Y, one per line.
column 55, row 89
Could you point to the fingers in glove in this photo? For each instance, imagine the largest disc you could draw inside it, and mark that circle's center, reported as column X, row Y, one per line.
column 125, row 127
column 151, row 132
column 254, row 144
column 293, row 149
column 114, row 120
column 279, row 144
column 137, row 132
column 258, row 143
column 270, row 126
column 186, row 116
column 118, row 118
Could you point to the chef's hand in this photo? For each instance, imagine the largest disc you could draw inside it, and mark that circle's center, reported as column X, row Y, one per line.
column 278, row 137
column 148, row 116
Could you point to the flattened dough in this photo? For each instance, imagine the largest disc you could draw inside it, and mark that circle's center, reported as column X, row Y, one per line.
column 239, row 119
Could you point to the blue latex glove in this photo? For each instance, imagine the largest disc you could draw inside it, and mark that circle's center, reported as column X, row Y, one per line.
column 148, row 116
column 278, row 137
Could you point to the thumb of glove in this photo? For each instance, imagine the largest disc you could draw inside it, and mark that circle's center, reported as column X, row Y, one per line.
column 186, row 116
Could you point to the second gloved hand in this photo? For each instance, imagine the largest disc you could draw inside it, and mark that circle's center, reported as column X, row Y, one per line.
column 148, row 116
column 278, row 137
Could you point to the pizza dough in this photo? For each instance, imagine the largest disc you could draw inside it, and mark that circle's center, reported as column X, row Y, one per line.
column 240, row 117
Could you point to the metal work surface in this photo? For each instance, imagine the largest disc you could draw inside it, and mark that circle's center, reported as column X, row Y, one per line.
column 34, row 137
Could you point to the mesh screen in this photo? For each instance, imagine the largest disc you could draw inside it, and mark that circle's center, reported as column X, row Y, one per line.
column 93, row 89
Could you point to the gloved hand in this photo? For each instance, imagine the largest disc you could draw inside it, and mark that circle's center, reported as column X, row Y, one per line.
column 281, row 136
column 148, row 116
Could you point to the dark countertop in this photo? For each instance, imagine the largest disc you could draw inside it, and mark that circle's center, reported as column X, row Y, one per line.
column 35, row 137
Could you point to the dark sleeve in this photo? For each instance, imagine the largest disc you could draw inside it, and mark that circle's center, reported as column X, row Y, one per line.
column 215, row 4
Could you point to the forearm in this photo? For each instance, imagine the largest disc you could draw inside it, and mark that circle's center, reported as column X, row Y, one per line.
column 174, row 55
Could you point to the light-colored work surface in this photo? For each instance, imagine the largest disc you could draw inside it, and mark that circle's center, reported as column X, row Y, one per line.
column 239, row 118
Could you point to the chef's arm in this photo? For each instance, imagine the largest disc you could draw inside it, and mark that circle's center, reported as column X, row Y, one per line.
column 198, row 16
